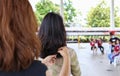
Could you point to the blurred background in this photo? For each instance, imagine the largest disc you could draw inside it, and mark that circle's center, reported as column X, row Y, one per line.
column 84, row 19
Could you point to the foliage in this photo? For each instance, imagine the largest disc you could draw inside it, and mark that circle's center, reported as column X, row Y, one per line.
column 43, row 7
column 117, row 21
column 84, row 39
column 117, row 18
column 99, row 16
column 69, row 12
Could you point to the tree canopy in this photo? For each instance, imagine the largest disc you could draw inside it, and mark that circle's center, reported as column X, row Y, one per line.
column 99, row 16
column 45, row 6
column 70, row 11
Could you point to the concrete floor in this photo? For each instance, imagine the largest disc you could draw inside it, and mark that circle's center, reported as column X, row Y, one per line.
column 94, row 65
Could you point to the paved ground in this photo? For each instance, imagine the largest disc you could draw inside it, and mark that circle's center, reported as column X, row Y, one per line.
column 94, row 65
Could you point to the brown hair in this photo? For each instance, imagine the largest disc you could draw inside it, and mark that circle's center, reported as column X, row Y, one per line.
column 19, row 44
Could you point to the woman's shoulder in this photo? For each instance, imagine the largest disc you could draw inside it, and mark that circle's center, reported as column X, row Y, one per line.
column 36, row 69
column 38, row 64
column 71, row 50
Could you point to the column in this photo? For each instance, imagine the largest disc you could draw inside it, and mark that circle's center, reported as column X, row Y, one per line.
column 112, row 21
column 61, row 8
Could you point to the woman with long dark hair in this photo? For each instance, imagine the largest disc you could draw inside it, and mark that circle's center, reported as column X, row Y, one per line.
column 53, row 37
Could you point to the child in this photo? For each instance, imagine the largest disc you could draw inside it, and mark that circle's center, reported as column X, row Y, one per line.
column 116, row 51
column 99, row 43
column 93, row 47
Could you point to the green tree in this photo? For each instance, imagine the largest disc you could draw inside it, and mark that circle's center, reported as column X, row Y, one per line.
column 117, row 18
column 117, row 21
column 43, row 7
column 99, row 16
column 69, row 12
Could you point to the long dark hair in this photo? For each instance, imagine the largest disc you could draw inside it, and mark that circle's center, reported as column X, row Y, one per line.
column 52, row 34
column 18, row 41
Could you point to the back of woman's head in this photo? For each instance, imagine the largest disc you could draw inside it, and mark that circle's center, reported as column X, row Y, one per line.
column 18, row 42
column 52, row 34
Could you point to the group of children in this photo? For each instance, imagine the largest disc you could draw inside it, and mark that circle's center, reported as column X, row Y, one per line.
column 99, row 45
column 114, row 47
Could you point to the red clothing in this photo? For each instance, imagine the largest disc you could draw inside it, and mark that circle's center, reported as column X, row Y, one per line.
column 99, row 42
column 117, row 48
column 92, row 43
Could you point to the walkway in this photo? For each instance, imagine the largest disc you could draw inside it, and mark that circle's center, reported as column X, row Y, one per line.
column 94, row 65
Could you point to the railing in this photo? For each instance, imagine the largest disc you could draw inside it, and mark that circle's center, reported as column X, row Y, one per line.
column 91, row 31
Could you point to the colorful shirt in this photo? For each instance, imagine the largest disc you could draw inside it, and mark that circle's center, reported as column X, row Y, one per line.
column 75, row 69
column 92, row 43
column 99, row 43
column 117, row 48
